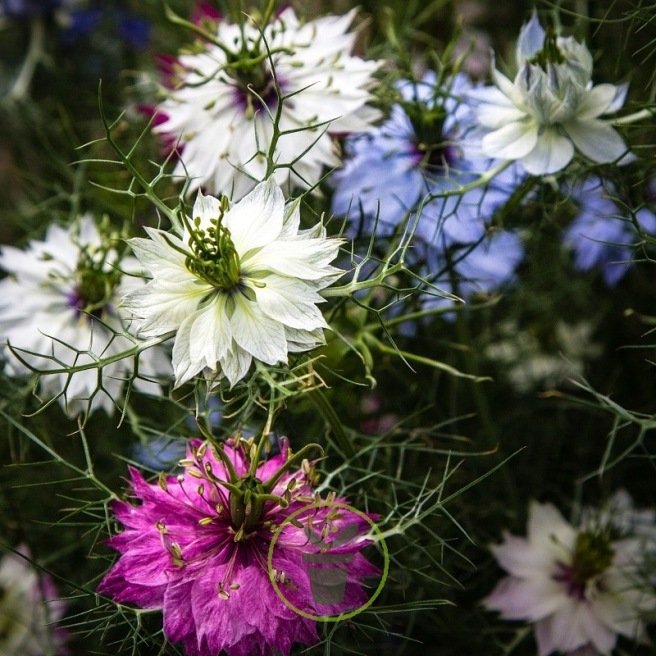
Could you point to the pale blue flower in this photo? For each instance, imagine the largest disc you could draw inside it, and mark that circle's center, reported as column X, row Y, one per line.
column 426, row 148
column 421, row 151
column 602, row 236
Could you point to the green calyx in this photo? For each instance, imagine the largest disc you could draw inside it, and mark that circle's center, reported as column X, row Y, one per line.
column 247, row 506
column 593, row 554
column 96, row 278
column 428, row 126
column 214, row 257
column 249, row 495
column 550, row 53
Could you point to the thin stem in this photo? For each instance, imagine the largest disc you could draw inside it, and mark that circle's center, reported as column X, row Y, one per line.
column 264, row 438
column 320, row 401
column 643, row 114
column 420, row 359
column 350, row 288
column 34, row 53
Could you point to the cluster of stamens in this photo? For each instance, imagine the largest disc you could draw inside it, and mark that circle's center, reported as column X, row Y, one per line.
column 550, row 53
column 214, row 257
column 436, row 151
column 593, row 555
column 95, row 279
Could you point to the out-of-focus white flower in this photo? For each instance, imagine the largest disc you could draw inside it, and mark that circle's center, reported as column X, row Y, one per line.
column 29, row 609
column 526, row 362
column 551, row 107
column 222, row 101
column 58, row 309
column 620, row 514
column 239, row 283
column 579, row 587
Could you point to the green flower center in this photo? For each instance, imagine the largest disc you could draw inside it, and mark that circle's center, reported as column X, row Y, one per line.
column 95, row 281
column 434, row 148
column 253, row 83
column 215, row 259
column 593, row 555
column 550, row 53
column 247, row 506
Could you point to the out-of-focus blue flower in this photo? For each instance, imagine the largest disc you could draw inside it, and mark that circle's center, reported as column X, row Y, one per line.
column 477, row 269
column 419, row 150
column 160, row 453
column 602, row 235
column 210, row 413
column 81, row 23
column 27, row 9
column 425, row 149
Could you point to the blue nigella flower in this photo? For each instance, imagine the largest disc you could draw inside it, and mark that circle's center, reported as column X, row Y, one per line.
column 602, row 235
column 426, row 148
column 128, row 27
column 160, row 453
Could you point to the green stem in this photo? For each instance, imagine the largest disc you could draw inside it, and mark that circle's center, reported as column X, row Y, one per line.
column 342, row 440
column 22, row 83
column 296, row 458
column 420, row 359
column 635, row 117
column 264, row 438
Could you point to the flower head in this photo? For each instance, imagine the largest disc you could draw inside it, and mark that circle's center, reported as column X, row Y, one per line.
column 422, row 149
column 197, row 545
column 236, row 283
column 415, row 162
column 29, row 609
column 58, row 309
column 221, row 108
column 579, row 586
column 601, row 236
column 551, row 107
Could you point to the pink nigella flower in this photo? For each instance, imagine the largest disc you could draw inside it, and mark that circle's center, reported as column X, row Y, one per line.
column 197, row 546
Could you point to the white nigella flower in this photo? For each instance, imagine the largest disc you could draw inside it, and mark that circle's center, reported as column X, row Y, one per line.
column 58, row 308
column 238, row 283
column 579, row 587
column 551, row 107
column 216, row 108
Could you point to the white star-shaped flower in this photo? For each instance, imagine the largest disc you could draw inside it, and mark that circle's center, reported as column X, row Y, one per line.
column 221, row 105
column 58, row 308
column 551, row 108
column 581, row 588
column 238, row 283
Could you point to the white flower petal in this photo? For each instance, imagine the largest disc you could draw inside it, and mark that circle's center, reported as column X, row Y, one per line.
column 597, row 101
column 210, row 335
column 206, row 208
column 184, row 368
column 525, row 599
column 552, row 153
column 521, row 558
column 289, row 302
column 235, row 364
column 256, row 333
column 513, row 141
column 530, row 40
column 547, row 527
column 597, row 140
column 257, row 218
column 618, row 101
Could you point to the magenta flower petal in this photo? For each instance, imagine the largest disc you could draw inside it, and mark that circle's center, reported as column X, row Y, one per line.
column 189, row 550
